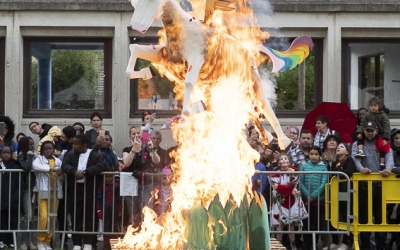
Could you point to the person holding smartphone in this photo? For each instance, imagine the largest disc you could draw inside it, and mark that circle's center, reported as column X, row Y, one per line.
column 104, row 147
column 139, row 160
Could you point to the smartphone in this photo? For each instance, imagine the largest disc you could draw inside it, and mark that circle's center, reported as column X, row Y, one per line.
column 102, row 133
column 274, row 147
column 287, row 131
column 2, row 128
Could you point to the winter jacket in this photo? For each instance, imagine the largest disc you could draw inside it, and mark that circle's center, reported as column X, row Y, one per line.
column 26, row 164
column 372, row 160
column 94, row 166
column 313, row 184
column 92, row 134
column 12, row 188
column 53, row 132
column 41, row 164
column 381, row 119
column 262, row 177
column 395, row 150
column 349, row 168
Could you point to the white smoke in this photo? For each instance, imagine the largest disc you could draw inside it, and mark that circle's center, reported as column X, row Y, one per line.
column 261, row 6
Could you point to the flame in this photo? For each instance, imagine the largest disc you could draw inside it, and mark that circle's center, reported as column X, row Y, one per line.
column 213, row 157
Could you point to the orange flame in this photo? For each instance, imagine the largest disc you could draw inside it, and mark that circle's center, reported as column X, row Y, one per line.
column 213, row 156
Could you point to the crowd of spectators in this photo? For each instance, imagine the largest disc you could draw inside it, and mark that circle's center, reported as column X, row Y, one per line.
column 62, row 174
column 79, row 156
column 325, row 151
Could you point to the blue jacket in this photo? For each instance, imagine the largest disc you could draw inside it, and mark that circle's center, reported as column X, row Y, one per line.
column 313, row 185
column 262, row 177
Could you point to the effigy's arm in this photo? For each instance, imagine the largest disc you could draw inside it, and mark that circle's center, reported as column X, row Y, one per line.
column 195, row 62
column 146, row 52
column 267, row 110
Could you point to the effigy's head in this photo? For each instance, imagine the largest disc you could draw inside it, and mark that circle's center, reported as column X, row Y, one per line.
column 145, row 13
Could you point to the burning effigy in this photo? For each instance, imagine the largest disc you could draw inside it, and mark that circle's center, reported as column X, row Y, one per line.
column 211, row 50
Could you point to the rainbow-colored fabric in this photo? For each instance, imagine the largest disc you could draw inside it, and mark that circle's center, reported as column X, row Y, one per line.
column 289, row 59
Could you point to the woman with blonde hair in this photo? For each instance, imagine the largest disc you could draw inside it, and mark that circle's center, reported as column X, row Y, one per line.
column 135, row 160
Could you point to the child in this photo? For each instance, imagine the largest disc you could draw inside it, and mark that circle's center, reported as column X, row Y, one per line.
column 312, row 188
column 11, row 193
column 109, row 202
column 287, row 207
column 26, row 156
column 345, row 164
column 48, row 167
column 375, row 114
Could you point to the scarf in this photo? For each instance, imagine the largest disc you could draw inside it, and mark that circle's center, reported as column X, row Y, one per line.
column 319, row 139
column 109, row 157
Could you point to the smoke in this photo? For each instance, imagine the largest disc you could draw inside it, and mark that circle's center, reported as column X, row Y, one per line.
column 269, row 85
column 261, row 6
column 276, row 40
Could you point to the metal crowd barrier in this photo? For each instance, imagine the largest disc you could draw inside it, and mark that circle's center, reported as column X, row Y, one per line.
column 88, row 209
column 389, row 185
column 325, row 212
column 11, row 209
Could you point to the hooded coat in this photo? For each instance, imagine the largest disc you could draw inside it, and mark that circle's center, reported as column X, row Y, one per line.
column 52, row 133
column 396, row 151
column 381, row 119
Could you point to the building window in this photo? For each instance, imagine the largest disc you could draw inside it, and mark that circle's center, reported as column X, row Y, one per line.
column 371, row 68
column 2, row 75
column 298, row 89
column 67, row 77
column 157, row 93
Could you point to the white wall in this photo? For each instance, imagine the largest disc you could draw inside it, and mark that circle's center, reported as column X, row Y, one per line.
column 330, row 24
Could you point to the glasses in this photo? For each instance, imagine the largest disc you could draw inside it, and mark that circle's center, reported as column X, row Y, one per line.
column 293, row 133
column 32, row 127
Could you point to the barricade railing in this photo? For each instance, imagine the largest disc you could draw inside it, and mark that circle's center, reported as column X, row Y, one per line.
column 125, row 210
column 93, row 195
column 17, row 198
column 81, row 220
column 318, row 210
column 366, row 184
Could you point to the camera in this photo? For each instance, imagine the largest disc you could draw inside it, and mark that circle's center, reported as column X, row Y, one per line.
column 137, row 174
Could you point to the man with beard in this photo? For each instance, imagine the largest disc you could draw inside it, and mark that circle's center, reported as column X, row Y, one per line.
column 299, row 154
column 67, row 135
column 369, row 165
